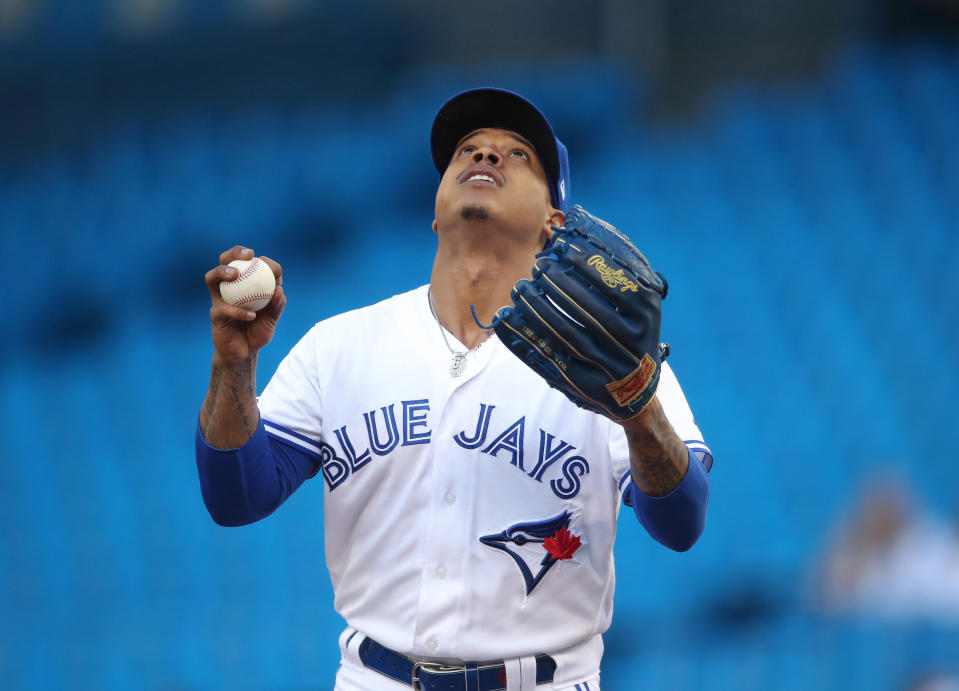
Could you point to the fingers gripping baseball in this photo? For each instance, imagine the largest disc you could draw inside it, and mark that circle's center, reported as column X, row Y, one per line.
column 247, row 300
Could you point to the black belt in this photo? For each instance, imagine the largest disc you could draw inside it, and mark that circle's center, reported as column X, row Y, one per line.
column 431, row 676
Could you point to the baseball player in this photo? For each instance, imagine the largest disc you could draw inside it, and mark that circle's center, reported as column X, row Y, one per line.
column 474, row 437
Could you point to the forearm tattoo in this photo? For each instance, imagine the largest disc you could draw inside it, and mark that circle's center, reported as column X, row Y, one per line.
column 229, row 415
column 658, row 457
column 206, row 413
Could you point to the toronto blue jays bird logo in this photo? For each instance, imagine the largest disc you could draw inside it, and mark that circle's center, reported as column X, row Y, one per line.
column 553, row 534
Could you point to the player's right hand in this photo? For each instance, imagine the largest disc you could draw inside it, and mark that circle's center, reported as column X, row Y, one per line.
column 238, row 333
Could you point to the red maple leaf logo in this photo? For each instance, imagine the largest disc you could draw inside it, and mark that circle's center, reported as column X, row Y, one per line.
column 562, row 544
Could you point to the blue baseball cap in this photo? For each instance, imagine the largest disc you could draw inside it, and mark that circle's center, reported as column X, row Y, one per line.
column 500, row 109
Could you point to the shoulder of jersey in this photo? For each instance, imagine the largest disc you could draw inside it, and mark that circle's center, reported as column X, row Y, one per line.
column 400, row 306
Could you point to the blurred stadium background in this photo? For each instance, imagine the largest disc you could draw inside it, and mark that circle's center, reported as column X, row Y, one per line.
column 792, row 167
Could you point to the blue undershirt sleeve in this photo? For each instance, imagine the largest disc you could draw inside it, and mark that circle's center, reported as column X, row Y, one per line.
column 243, row 485
column 677, row 519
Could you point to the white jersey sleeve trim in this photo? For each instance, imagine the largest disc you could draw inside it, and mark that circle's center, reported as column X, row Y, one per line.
column 305, row 443
column 701, row 451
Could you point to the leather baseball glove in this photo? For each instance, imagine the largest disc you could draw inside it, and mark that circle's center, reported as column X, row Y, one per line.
column 588, row 321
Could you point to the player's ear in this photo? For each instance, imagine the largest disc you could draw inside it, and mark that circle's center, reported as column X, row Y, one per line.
column 435, row 226
column 556, row 218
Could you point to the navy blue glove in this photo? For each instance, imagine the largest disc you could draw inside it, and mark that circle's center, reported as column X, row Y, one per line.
column 588, row 322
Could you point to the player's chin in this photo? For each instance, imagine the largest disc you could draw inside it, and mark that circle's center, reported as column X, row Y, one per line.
column 475, row 211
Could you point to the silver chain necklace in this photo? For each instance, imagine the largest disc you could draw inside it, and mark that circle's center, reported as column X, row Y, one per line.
column 458, row 361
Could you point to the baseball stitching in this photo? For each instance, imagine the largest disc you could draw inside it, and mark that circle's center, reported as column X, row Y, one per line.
column 252, row 298
column 248, row 271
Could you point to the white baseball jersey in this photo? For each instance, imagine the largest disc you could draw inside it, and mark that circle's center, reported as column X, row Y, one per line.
column 466, row 518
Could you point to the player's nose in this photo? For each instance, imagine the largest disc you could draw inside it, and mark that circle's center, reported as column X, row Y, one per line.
column 488, row 154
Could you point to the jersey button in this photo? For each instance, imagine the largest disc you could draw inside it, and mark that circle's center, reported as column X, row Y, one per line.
column 431, row 644
column 441, row 572
column 450, row 498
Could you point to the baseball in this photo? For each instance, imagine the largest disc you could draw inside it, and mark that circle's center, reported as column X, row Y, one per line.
column 253, row 288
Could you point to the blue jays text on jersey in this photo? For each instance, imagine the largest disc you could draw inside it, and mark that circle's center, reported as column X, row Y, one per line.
column 407, row 423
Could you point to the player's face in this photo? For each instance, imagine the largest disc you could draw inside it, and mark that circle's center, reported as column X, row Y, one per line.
column 495, row 175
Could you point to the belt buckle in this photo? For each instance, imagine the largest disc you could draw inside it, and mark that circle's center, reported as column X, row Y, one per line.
column 435, row 668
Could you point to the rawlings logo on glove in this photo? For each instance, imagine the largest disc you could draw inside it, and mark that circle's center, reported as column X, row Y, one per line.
column 588, row 321
column 614, row 278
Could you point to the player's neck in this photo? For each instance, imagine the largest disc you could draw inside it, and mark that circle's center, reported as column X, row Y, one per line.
column 478, row 278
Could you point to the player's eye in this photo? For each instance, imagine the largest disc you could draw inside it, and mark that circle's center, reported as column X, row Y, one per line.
column 519, row 153
column 468, row 149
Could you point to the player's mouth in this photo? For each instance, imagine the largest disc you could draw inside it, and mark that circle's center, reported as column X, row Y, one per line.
column 481, row 174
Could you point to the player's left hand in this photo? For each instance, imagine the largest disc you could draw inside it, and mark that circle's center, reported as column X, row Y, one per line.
column 588, row 321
